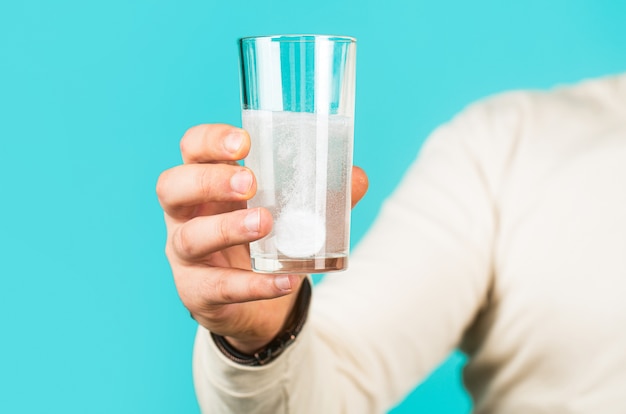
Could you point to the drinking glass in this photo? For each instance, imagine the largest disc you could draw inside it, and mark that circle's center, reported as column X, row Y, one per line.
column 297, row 96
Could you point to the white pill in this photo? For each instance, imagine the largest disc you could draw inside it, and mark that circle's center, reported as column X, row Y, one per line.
column 299, row 233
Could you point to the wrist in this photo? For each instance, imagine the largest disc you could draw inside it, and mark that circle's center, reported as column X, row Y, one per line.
column 255, row 353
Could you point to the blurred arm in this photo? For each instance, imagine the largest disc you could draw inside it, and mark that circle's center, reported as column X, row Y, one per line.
column 414, row 285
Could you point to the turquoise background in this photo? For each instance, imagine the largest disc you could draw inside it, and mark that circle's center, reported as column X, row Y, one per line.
column 94, row 96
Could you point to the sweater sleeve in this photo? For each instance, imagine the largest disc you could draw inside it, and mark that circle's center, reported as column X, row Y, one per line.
column 415, row 283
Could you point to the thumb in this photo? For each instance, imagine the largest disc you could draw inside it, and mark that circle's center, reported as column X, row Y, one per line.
column 359, row 185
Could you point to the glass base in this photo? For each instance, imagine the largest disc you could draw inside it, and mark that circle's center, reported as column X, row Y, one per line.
column 310, row 265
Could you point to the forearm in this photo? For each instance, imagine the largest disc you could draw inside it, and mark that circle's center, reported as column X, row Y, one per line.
column 413, row 287
column 225, row 386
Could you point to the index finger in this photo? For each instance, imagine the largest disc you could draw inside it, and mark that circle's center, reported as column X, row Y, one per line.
column 214, row 143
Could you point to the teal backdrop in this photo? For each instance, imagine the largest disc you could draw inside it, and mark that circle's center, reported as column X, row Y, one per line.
column 94, row 97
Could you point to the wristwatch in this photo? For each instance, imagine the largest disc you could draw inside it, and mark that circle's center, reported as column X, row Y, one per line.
column 286, row 337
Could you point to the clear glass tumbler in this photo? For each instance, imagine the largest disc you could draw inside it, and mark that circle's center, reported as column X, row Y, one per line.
column 297, row 96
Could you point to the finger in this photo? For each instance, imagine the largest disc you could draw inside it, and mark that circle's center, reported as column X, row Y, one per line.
column 360, row 184
column 250, row 325
column 201, row 288
column 201, row 236
column 214, row 142
column 182, row 188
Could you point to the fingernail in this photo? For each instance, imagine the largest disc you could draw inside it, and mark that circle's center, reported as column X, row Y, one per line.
column 252, row 220
column 282, row 282
column 241, row 182
column 233, row 141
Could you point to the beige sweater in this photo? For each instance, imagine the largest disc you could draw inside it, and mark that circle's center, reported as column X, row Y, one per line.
column 507, row 238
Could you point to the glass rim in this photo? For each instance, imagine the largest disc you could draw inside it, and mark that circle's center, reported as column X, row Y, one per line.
column 297, row 38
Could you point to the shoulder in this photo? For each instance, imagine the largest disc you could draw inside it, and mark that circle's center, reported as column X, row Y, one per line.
column 526, row 129
column 535, row 115
column 590, row 100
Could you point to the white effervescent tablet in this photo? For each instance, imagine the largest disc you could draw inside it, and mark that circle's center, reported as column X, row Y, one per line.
column 299, row 233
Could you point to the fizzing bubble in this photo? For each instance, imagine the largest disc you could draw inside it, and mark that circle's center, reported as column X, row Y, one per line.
column 302, row 164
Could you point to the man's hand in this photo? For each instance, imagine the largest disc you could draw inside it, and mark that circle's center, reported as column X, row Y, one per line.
column 208, row 231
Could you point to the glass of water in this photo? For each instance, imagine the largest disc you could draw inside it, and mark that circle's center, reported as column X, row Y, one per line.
column 297, row 97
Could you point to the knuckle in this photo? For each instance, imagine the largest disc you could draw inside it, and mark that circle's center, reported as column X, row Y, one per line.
column 205, row 182
column 183, row 244
column 257, row 288
column 169, row 253
column 223, row 231
column 187, row 141
column 186, row 295
column 221, row 288
column 162, row 185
